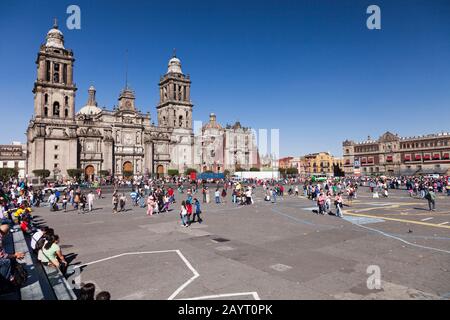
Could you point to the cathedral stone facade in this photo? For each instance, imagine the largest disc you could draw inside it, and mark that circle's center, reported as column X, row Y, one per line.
column 99, row 140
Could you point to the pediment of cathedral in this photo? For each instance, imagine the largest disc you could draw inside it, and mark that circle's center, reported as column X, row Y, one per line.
column 89, row 131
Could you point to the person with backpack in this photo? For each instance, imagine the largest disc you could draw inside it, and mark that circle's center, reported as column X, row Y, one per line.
column 38, row 238
column 431, row 198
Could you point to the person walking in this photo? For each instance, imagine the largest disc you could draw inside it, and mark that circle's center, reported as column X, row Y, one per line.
column 115, row 202
column 431, row 198
column 150, row 205
column 64, row 202
column 183, row 214
column 321, row 203
column 208, row 197
column 122, row 201
column 90, row 200
column 197, row 211
column 338, row 201
column 217, row 196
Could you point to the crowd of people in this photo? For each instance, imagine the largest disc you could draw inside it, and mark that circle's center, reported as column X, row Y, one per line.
column 155, row 196
column 16, row 201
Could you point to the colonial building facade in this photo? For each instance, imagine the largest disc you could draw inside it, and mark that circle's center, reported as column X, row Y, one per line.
column 14, row 156
column 394, row 155
column 220, row 148
column 97, row 139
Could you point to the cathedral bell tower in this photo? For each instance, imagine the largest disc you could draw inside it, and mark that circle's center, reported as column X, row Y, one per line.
column 175, row 107
column 54, row 90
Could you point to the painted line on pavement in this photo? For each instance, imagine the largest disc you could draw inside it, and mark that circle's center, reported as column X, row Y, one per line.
column 443, row 223
column 399, row 220
column 402, row 240
column 187, row 263
column 254, row 294
column 426, row 219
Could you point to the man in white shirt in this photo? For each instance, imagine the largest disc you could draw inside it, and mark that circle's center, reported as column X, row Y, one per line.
column 52, row 201
column 90, row 199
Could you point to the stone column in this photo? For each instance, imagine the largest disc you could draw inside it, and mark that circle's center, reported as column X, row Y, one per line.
column 69, row 74
column 41, row 71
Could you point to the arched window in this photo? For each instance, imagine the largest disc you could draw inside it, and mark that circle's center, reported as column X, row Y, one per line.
column 56, row 109
column 66, row 112
column 46, row 98
column 180, row 121
column 164, row 120
column 56, row 72
column 66, row 101
column 46, row 111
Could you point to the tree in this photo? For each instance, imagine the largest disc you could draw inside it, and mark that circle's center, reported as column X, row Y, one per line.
column 291, row 171
column 103, row 173
column 7, row 173
column 173, row 172
column 238, row 169
column 128, row 174
column 189, row 171
column 254, row 169
column 75, row 173
column 43, row 173
column 226, row 172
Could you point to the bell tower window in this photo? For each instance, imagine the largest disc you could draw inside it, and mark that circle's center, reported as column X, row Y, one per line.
column 180, row 122
column 56, row 73
column 46, row 111
column 46, row 99
column 64, row 80
column 66, row 112
column 47, row 70
column 56, row 109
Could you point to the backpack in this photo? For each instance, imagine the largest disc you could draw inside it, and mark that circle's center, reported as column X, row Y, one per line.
column 40, row 243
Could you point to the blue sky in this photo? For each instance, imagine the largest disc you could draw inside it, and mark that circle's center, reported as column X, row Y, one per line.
column 310, row 68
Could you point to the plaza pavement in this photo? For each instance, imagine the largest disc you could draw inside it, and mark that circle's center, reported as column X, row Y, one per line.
column 263, row 251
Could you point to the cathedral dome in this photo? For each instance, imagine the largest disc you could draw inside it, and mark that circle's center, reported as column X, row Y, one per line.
column 90, row 110
column 91, row 107
column 212, row 124
column 55, row 38
column 174, row 65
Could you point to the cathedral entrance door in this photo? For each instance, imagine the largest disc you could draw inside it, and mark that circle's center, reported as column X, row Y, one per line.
column 89, row 172
column 160, row 171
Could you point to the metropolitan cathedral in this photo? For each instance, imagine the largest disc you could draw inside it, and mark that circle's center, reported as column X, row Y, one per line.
column 123, row 139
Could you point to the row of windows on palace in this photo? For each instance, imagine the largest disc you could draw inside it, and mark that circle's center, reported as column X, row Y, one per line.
column 404, row 145
column 408, row 157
